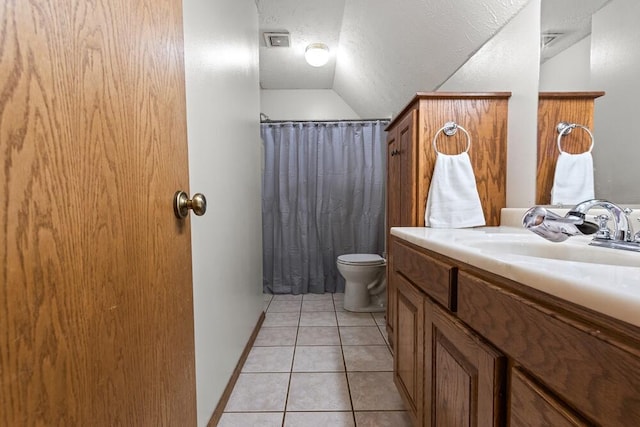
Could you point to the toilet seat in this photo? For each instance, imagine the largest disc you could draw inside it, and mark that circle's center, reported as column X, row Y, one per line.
column 361, row 259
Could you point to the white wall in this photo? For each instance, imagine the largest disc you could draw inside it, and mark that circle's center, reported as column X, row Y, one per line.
column 510, row 62
column 305, row 104
column 570, row 70
column 223, row 99
column 615, row 69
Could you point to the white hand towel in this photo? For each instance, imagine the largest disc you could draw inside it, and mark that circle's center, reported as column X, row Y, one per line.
column 453, row 200
column 573, row 179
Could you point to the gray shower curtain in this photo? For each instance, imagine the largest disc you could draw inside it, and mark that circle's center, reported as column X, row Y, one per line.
column 323, row 195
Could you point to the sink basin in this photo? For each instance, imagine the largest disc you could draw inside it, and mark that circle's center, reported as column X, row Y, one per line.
column 575, row 252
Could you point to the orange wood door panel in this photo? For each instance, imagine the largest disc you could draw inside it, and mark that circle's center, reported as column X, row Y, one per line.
column 464, row 375
column 96, row 307
column 409, row 345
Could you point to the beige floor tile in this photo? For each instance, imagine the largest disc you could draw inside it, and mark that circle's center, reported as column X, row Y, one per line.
column 280, row 319
column 269, row 359
column 361, row 335
column 383, row 419
column 379, row 318
column 347, row 318
column 318, row 392
column 339, row 306
column 318, row 297
column 319, row 305
column 317, row 419
column 368, row 358
column 287, row 297
column 254, row 419
column 318, row 335
column 383, row 331
column 318, row 318
column 338, row 296
column 278, row 336
column 318, row 359
column 374, row 391
column 284, row 306
column 267, row 297
column 259, row 393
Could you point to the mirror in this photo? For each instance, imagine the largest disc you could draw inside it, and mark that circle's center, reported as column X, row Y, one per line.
column 606, row 60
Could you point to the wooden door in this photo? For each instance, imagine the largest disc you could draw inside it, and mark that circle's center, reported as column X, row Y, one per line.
column 409, row 345
column 464, row 377
column 96, row 310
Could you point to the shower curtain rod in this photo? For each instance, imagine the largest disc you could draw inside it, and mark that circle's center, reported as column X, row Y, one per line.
column 324, row 121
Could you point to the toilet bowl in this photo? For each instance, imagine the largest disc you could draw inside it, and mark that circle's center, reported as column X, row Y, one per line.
column 366, row 282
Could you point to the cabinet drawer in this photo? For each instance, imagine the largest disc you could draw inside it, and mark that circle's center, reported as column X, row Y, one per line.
column 531, row 406
column 588, row 368
column 435, row 278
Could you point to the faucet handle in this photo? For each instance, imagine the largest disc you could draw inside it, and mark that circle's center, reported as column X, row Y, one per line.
column 603, row 229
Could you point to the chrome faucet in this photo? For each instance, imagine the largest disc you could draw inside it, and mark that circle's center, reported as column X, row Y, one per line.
column 558, row 228
column 622, row 225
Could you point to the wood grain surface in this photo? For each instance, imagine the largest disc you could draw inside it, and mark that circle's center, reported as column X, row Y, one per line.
column 96, row 307
column 532, row 406
column 485, row 120
column 484, row 116
column 409, row 346
column 553, row 108
column 583, row 364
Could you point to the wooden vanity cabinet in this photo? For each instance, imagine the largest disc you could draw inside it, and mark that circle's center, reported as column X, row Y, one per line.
column 463, row 375
column 496, row 352
column 409, row 348
column 446, row 374
column 532, row 406
column 411, row 157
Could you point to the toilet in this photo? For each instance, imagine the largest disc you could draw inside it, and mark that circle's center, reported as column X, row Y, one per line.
column 366, row 282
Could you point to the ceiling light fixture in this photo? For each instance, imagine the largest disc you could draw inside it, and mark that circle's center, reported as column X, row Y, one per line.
column 317, row 54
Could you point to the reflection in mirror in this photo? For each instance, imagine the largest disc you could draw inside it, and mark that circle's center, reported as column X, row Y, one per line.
column 605, row 59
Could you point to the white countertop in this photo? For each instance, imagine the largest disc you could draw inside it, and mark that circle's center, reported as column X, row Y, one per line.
column 609, row 289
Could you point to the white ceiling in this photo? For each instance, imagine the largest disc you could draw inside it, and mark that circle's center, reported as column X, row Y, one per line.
column 383, row 51
column 569, row 18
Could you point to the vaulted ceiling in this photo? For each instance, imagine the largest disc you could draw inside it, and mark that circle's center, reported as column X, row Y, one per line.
column 382, row 51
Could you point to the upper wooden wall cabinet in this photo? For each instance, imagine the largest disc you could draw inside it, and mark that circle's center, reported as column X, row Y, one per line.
column 553, row 108
column 411, row 156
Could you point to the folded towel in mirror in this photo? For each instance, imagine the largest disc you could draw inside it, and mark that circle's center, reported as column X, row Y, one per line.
column 573, row 179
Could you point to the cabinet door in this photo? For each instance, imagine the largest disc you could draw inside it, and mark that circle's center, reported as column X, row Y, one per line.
column 409, row 217
column 531, row 406
column 393, row 178
column 464, row 377
column 409, row 345
column 393, row 220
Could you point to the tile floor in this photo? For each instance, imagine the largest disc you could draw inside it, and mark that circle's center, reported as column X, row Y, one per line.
column 314, row 364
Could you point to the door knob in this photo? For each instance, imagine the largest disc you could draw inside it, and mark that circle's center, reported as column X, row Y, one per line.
column 182, row 204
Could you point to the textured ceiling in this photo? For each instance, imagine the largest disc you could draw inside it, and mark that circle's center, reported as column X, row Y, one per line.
column 382, row 51
column 571, row 19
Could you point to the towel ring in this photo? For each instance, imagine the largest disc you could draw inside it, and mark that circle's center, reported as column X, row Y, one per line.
column 565, row 128
column 450, row 129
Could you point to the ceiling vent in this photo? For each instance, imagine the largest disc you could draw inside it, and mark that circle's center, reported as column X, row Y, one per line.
column 547, row 38
column 276, row 39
